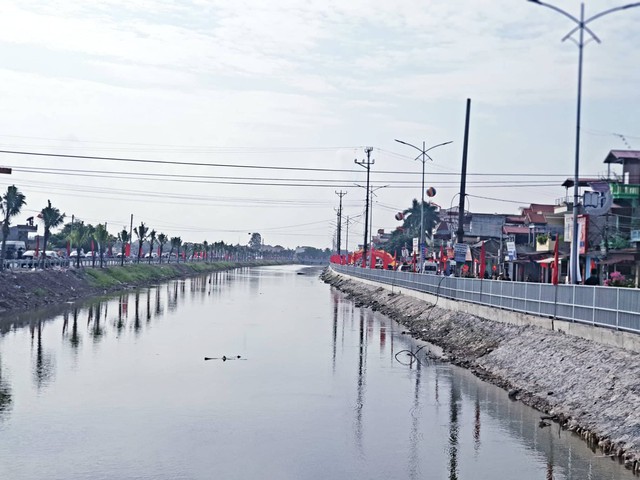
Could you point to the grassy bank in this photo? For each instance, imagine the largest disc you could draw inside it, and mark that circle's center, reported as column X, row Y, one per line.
column 141, row 274
column 24, row 290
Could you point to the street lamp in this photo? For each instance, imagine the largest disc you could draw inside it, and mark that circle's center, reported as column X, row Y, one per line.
column 423, row 158
column 372, row 191
column 581, row 27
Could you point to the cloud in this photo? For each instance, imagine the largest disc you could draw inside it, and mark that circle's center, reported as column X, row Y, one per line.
column 322, row 72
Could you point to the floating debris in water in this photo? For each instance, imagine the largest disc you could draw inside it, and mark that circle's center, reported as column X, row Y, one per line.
column 224, row 358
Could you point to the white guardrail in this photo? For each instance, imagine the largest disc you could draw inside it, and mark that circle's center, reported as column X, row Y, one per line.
column 612, row 307
column 89, row 262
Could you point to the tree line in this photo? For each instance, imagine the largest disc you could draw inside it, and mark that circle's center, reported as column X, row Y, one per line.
column 96, row 238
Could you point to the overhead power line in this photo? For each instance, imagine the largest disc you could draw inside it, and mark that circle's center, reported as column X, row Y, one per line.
column 216, row 179
column 259, row 167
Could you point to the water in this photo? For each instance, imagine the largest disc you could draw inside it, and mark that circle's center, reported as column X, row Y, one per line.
column 119, row 389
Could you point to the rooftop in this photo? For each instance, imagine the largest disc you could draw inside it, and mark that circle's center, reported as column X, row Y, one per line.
column 622, row 156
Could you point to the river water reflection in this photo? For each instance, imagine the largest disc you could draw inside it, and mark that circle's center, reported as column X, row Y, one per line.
column 119, row 388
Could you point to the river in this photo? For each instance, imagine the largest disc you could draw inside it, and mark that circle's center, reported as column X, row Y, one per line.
column 312, row 387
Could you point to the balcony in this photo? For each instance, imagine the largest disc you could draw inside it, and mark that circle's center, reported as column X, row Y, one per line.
column 623, row 191
column 545, row 246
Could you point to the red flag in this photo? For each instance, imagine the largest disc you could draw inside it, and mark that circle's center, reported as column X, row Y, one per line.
column 127, row 250
column 68, row 248
column 555, row 274
column 37, row 244
column 483, row 260
column 92, row 248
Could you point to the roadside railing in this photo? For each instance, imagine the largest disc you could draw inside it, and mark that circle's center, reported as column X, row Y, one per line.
column 88, row 262
column 611, row 307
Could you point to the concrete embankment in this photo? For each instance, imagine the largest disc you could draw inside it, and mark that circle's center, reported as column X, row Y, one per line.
column 29, row 289
column 588, row 388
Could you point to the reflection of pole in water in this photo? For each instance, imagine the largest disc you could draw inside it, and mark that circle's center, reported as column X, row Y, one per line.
column 136, row 323
column 122, row 310
column 414, row 464
column 362, row 369
column 335, row 330
column 96, row 331
column 454, row 398
column 75, row 337
column 476, row 425
column 158, row 305
column 65, row 322
column 148, row 305
column 550, row 460
column 43, row 369
column 5, row 394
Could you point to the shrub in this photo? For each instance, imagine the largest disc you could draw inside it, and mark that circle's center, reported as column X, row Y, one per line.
column 616, row 279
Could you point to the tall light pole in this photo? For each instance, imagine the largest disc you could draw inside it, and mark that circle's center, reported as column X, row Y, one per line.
column 423, row 158
column 372, row 194
column 581, row 28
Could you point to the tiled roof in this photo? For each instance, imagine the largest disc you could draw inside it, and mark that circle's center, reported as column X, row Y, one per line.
column 514, row 230
column 536, row 217
column 541, row 208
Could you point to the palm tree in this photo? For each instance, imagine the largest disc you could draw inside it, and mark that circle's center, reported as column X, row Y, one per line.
column 102, row 236
column 10, row 205
column 162, row 240
column 77, row 236
column 175, row 243
column 205, row 246
column 123, row 236
column 52, row 218
column 141, row 233
column 412, row 218
column 152, row 239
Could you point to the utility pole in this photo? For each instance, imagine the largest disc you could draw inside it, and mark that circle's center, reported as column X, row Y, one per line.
column 346, row 246
column 463, row 177
column 340, row 194
column 366, row 164
column 131, row 235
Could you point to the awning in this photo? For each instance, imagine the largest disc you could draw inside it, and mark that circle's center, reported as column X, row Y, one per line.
column 613, row 259
column 550, row 259
column 547, row 260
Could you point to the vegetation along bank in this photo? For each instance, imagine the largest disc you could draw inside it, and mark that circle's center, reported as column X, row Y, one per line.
column 28, row 289
column 588, row 388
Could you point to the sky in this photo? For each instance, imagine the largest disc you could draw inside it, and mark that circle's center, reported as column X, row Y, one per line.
column 216, row 119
